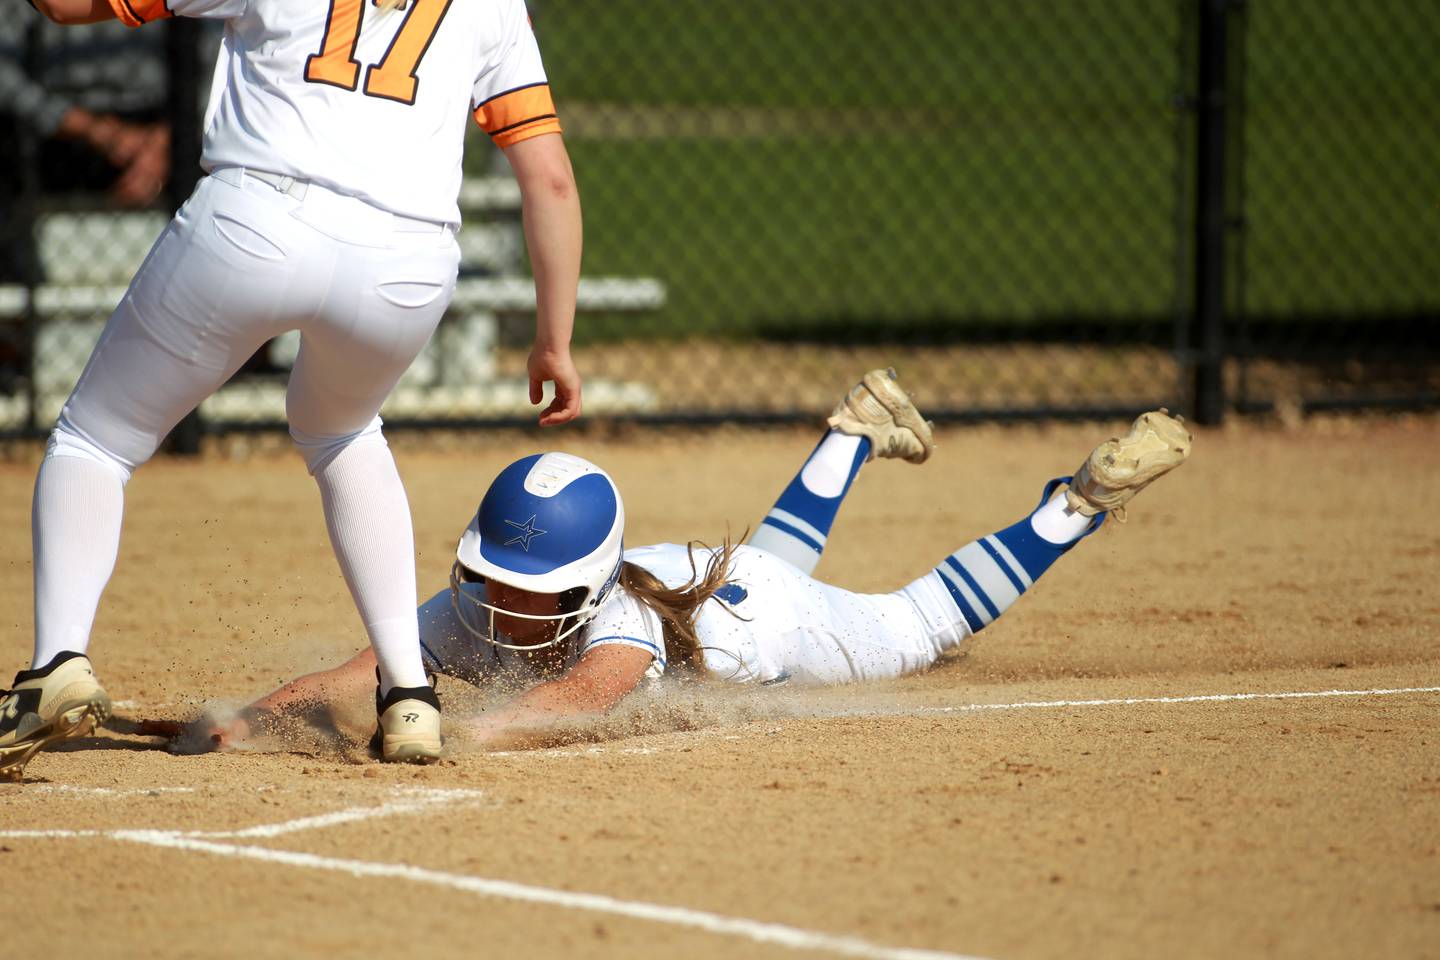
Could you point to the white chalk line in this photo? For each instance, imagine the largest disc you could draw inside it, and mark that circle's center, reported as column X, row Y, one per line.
column 419, row 800
column 600, row 750
column 204, row 842
column 415, row 800
column 1198, row 698
column 111, row 793
column 758, row 931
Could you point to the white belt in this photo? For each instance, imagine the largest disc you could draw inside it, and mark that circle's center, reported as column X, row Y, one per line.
column 300, row 188
column 295, row 188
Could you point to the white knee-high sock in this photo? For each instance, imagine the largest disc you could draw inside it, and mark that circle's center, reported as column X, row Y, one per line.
column 75, row 528
column 797, row 528
column 1058, row 524
column 368, row 517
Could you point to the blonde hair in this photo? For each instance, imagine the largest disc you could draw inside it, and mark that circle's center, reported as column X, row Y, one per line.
column 677, row 607
column 390, row 4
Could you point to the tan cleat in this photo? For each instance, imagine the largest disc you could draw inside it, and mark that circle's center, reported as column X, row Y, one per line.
column 409, row 726
column 52, row 703
column 878, row 409
column 1123, row 466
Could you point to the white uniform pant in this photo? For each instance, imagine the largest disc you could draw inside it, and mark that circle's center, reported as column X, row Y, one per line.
column 241, row 263
column 786, row 626
column 846, row 637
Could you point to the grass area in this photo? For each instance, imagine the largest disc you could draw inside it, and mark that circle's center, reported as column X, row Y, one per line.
column 1342, row 132
column 822, row 165
column 753, row 235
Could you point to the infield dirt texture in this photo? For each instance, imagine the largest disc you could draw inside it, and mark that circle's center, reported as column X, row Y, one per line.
column 783, row 823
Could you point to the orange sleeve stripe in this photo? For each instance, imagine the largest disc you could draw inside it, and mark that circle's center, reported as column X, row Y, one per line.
column 134, row 13
column 514, row 109
column 524, row 131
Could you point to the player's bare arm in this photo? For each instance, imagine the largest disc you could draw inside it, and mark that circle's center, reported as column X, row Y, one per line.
column 70, row 12
column 351, row 682
column 592, row 687
column 553, row 235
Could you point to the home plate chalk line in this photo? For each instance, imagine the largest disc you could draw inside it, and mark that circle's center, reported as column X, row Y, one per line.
column 415, row 800
column 419, row 799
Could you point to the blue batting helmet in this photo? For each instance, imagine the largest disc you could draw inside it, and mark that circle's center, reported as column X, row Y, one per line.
column 550, row 523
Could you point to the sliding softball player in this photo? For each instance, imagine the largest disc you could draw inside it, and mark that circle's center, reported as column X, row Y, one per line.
column 545, row 598
column 333, row 145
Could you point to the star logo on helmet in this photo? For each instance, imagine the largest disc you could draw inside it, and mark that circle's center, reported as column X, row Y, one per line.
column 528, row 532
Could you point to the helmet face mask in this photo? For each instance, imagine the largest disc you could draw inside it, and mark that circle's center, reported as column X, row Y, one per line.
column 550, row 525
column 477, row 614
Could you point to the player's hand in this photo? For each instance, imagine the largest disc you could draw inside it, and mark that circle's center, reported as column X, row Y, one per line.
column 145, row 166
column 211, row 735
column 228, row 736
column 554, row 364
column 119, row 141
column 140, row 151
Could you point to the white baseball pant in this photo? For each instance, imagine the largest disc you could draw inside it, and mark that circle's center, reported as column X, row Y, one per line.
column 244, row 260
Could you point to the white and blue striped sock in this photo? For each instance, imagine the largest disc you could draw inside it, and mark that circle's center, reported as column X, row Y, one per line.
column 985, row 577
column 797, row 527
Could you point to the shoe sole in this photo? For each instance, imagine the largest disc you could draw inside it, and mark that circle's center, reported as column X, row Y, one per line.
column 77, row 718
column 1120, row 468
column 1133, row 461
column 884, row 387
column 410, row 753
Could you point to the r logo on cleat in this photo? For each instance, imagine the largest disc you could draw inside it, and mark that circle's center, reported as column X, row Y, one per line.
column 410, row 717
column 14, row 707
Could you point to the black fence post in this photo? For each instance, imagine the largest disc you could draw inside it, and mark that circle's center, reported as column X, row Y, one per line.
column 182, row 50
column 1207, row 332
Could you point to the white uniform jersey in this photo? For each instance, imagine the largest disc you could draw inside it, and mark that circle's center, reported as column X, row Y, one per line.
column 367, row 102
column 769, row 624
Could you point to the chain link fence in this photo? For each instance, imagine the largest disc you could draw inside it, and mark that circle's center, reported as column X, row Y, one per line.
column 1336, row 292
column 1001, row 200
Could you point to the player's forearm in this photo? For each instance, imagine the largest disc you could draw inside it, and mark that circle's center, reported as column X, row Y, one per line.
column 104, row 132
column 552, row 225
column 530, row 718
column 309, row 689
column 553, row 234
column 349, row 682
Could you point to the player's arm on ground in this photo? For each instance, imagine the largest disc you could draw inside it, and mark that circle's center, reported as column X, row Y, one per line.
column 351, row 682
column 70, row 12
column 553, row 235
column 592, row 687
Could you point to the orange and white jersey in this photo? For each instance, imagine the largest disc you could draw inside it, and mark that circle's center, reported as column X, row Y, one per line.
column 368, row 102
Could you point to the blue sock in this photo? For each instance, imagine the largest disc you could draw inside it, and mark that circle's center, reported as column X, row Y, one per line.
column 985, row 577
column 798, row 526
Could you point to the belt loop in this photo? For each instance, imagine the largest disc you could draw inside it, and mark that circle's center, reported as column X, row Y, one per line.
column 285, row 184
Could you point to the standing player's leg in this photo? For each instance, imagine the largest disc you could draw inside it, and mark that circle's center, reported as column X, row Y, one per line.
column 384, row 305
column 875, row 419
column 198, row 307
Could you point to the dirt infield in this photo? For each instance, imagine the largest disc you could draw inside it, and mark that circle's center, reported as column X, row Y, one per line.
column 1062, row 788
